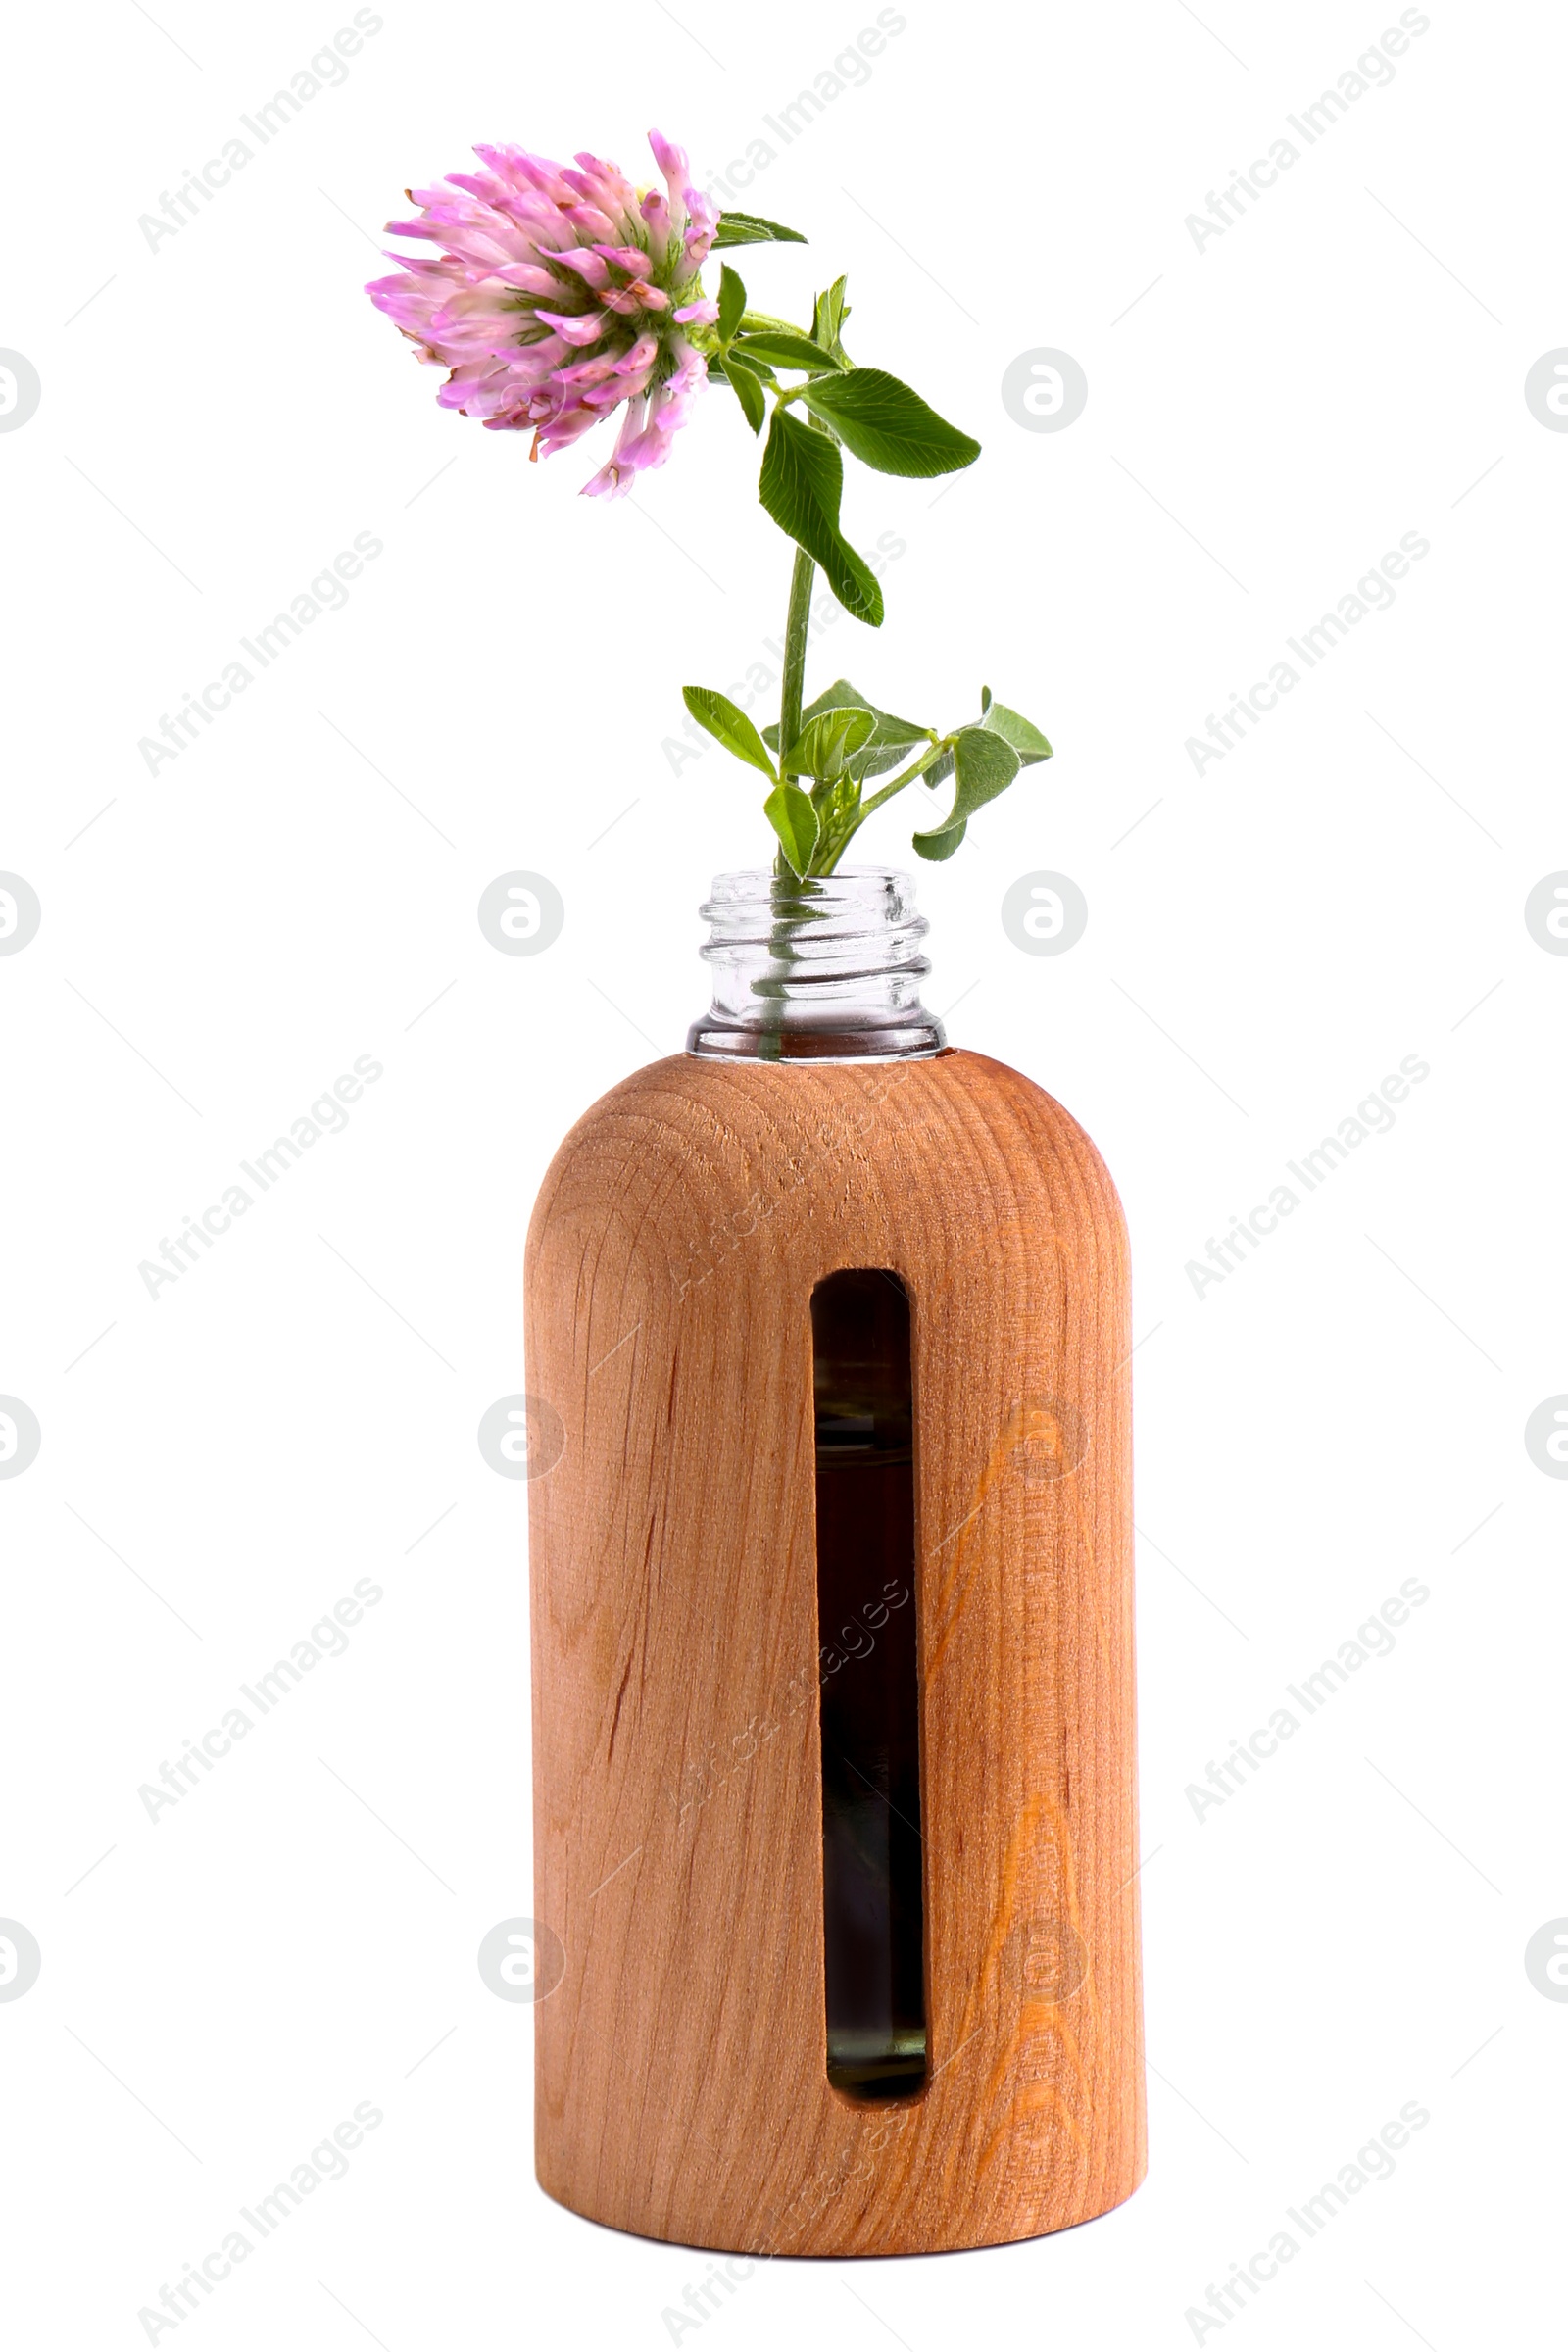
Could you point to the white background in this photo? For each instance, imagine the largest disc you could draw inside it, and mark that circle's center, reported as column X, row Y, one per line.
column 1266, row 415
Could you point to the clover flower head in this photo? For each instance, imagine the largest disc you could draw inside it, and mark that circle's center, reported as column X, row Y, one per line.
column 559, row 294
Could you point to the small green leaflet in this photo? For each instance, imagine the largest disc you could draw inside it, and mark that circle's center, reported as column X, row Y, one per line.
column 750, row 229
column 840, row 695
column 789, row 811
column 885, row 424
column 986, row 764
column 747, row 391
column 825, row 743
column 894, row 738
column 783, row 350
column 1026, row 739
column 731, row 302
column 883, row 750
column 728, row 725
column 737, row 355
column 827, row 320
column 935, row 847
column 802, row 483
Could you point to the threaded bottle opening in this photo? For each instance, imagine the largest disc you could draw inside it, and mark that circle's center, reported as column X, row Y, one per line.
column 827, row 969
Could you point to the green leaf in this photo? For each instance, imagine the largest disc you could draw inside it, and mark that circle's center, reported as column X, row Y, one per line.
column 743, row 357
column 888, row 746
column 738, row 357
column 729, row 725
column 827, row 322
column 900, row 731
column 783, row 350
column 838, row 800
column 986, row 764
column 789, row 813
column 825, row 743
column 748, row 392
column 750, row 229
column 1026, row 739
column 883, row 750
column 935, row 846
column 731, row 302
column 801, row 486
column 885, row 424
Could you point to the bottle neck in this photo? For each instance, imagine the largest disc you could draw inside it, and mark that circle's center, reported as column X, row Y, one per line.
column 821, row 970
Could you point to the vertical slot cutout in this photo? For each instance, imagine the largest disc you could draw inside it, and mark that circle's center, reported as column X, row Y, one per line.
column 872, row 1902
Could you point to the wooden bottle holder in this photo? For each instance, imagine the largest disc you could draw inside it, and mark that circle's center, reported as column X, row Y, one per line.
column 681, row 2088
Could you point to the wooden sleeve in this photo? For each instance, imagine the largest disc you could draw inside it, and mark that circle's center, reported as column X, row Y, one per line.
column 680, row 2081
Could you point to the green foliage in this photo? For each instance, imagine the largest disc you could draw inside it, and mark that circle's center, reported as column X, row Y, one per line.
column 883, row 749
column 793, row 351
column 750, row 229
column 800, row 486
column 1026, row 740
column 985, row 766
column 748, row 390
column 731, row 302
column 886, row 425
column 828, row 740
column 869, row 413
column 737, row 355
column 828, row 317
column 789, row 811
column 846, row 744
column 727, row 724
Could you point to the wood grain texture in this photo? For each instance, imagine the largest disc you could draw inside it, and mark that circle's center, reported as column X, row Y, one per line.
column 680, row 2079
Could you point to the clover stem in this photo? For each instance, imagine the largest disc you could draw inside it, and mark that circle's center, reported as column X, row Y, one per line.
column 856, row 817
column 797, row 619
column 792, row 694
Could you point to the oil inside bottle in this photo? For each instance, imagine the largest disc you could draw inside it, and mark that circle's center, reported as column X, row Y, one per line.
column 871, row 1854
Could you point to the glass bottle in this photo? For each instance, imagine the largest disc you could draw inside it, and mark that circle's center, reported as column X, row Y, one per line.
column 830, row 969
column 821, row 970
column 832, row 1621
